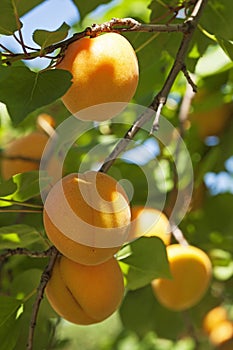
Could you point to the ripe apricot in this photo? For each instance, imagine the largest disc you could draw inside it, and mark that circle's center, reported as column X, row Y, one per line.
column 222, row 334
column 213, row 318
column 23, row 154
column 104, row 69
column 211, row 119
column 191, row 272
column 85, row 294
column 86, row 216
column 147, row 221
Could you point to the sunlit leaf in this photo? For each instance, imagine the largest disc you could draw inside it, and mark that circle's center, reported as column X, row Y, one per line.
column 144, row 260
column 19, row 235
column 23, row 91
column 227, row 46
column 7, row 187
column 45, row 37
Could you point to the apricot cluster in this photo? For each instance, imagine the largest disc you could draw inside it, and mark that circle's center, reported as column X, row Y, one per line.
column 86, row 217
column 219, row 328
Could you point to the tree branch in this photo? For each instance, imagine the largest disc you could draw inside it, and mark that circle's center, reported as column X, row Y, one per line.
column 115, row 25
column 161, row 98
column 23, row 251
column 40, row 294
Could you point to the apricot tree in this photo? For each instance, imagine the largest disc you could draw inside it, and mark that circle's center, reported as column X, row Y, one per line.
column 94, row 204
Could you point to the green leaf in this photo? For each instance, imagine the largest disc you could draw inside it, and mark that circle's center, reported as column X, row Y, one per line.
column 23, row 91
column 7, row 187
column 45, row 37
column 227, row 46
column 8, row 307
column 140, row 312
column 8, row 24
column 19, row 235
column 24, row 6
column 144, row 260
column 9, row 332
column 85, row 7
column 28, row 185
column 217, row 18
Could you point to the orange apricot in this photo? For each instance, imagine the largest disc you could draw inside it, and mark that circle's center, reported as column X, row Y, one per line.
column 211, row 119
column 148, row 222
column 213, row 318
column 222, row 334
column 85, row 294
column 191, row 273
column 23, row 154
column 87, row 216
column 104, row 70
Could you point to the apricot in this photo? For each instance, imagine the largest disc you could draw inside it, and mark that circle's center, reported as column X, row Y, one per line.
column 147, row 221
column 104, row 70
column 85, row 294
column 23, row 154
column 213, row 318
column 87, row 216
column 191, row 272
column 211, row 120
column 222, row 334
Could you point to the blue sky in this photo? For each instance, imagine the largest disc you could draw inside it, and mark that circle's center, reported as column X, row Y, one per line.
column 49, row 15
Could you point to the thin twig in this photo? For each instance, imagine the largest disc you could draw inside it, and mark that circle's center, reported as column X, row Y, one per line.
column 21, row 211
column 178, row 235
column 161, row 98
column 189, row 79
column 23, row 251
column 40, row 294
column 155, row 126
column 118, row 25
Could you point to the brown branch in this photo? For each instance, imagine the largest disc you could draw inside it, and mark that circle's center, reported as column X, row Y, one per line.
column 23, row 251
column 161, row 98
column 20, row 211
column 115, row 25
column 189, row 79
column 40, row 294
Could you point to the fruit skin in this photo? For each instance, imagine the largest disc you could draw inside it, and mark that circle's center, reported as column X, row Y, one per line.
column 213, row 318
column 85, row 294
column 87, row 225
column 104, row 69
column 210, row 120
column 191, row 272
column 148, row 222
column 222, row 335
column 30, row 146
column 219, row 328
